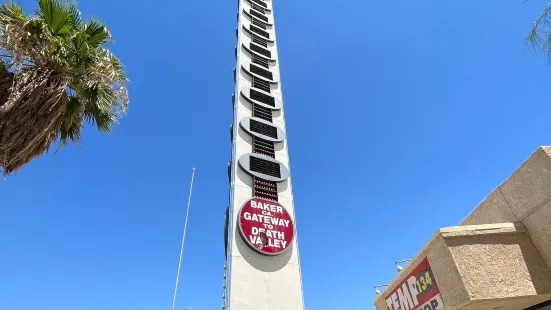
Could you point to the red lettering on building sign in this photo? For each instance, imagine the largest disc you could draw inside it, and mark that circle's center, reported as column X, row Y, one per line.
column 417, row 291
column 266, row 226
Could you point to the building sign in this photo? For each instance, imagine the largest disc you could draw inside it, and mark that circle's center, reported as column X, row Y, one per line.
column 418, row 291
column 266, row 226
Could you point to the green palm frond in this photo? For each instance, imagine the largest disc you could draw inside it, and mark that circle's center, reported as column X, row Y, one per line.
column 100, row 105
column 98, row 35
column 72, row 123
column 59, row 16
column 79, row 40
column 11, row 14
column 103, row 118
column 75, row 14
column 118, row 70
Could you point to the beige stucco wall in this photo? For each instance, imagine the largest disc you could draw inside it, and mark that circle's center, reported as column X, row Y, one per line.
column 498, row 262
column 446, row 273
column 483, row 267
column 500, row 255
column 516, row 303
column 524, row 197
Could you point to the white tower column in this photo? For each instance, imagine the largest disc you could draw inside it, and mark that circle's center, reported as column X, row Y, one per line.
column 262, row 270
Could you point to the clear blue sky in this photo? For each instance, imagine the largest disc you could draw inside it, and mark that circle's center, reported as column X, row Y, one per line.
column 401, row 116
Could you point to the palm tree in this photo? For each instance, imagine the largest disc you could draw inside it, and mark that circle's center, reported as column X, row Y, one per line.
column 56, row 74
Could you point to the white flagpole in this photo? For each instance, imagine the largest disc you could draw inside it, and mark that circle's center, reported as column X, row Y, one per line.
column 183, row 239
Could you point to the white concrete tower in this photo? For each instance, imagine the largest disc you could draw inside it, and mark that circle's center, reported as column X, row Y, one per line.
column 262, row 270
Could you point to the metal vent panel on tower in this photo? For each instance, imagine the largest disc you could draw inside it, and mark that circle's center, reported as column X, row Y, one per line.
column 264, row 167
column 260, row 50
column 259, row 3
column 259, row 15
column 261, row 97
column 267, row 167
column 254, row 48
column 254, row 68
column 262, row 129
column 261, row 32
column 257, row 71
column 258, row 8
column 247, row 27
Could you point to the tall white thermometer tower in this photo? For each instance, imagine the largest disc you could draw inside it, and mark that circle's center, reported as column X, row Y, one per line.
column 262, row 270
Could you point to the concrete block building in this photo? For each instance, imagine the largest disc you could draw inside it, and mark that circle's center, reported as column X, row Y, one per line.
column 498, row 257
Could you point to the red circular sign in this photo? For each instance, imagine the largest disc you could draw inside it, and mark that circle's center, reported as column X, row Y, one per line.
column 266, row 226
